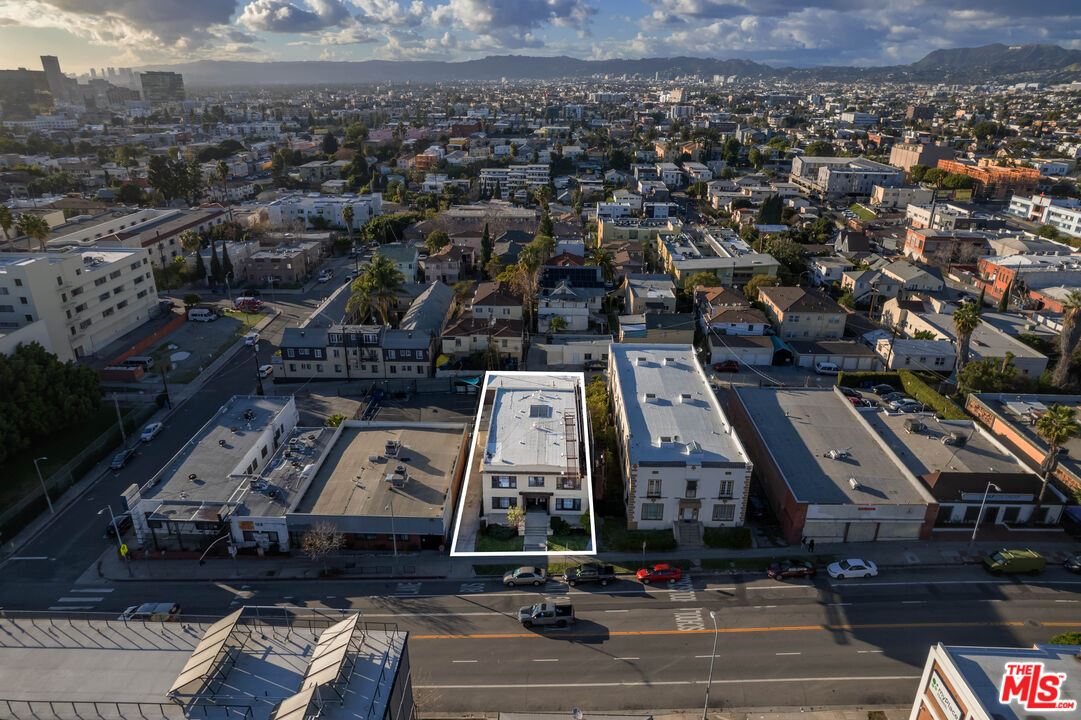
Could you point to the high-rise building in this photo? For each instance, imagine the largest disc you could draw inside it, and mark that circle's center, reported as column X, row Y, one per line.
column 162, row 86
column 57, row 85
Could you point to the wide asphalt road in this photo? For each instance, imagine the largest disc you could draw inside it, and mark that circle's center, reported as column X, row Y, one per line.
column 795, row 643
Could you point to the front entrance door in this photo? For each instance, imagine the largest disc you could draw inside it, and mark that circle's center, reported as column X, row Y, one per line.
column 690, row 513
column 536, row 503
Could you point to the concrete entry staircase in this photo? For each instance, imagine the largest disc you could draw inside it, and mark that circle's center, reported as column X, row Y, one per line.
column 536, row 531
column 689, row 533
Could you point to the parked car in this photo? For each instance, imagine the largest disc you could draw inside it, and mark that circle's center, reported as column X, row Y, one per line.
column 913, row 407
column 894, row 396
column 791, row 569
column 1015, row 561
column 251, row 338
column 859, row 402
column 150, row 431
column 546, row 613
column 659, row 573
column 266, row 370
column 589, row 572
column 853, row 567
column 726, row 366
column 121, row 458
column 162, row 612
column 896, row 404
column 123, row 524
column 1073, row 564
column 827, row 368
column 883, row 389
column 525, row 576
column 848, row 392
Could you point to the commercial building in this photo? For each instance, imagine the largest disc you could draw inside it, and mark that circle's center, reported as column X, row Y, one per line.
column 905, row 155
column 938, row 247
column 285, row 264
column 995, row 182
column 681, row 460
column 255, row 663
column 74, row 303
column 1063, row 213
column 993, row 683
column 162, row 87
column 800, row 314
column 899, row 197
column 1012, row 419
column 58, row 84
column 533, row 447
column 826, row 474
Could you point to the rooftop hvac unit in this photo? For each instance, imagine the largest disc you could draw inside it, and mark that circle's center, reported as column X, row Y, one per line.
column 853, row 483
column 392, row 448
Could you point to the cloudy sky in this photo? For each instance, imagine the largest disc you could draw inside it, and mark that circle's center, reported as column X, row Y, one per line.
column 122, row 33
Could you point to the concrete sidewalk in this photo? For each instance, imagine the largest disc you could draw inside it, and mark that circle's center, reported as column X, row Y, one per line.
column 873, row 712
column 431, row 564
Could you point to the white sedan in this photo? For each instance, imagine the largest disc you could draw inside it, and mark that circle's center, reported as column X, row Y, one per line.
column 251, row 338
column 266, row 370
column 151, row 431
column 853, row 567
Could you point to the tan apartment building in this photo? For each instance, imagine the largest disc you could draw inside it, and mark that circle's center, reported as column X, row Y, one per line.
column 801, row 315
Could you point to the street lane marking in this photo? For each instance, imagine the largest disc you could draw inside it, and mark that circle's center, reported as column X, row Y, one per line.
column 627, row 658
column 790, row 628
column 29, row 557
column 628, row 683
column 788, row 653
column 912, row 602
column 690, row 620
column 71, row 607
column 864, row 652
column 436, row 614
column 1069, row 601
column 617, row 610
column 91, row 590
column 545, row 659
column 464, row 661
column 837, row 604
column 80, row 599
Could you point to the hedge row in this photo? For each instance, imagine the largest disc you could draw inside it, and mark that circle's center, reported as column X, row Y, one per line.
column 923, row 392
column 860, row 379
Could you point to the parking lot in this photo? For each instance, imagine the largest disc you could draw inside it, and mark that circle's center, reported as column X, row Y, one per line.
column 194, row 345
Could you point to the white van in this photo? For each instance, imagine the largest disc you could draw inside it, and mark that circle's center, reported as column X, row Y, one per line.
column 201, row 315
column 144, row 361
column 827, row 368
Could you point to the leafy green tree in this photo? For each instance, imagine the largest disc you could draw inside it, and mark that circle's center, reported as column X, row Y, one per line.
column 992, row 375
column 200, row 267
column 918, row 172
column 1048, row 231
column 376, row 289
column 732, row 147
column 954, row 181
column 486, row 247
column 226, row 263
column 7, row 222
column 1004, row 301
column 750, row 290
column 330, row 144
column 756, row 157
column 545, row 227
column 557, row 324
column 190, row 241
column 820, row 148
column 215, row 265
column 192, row 299
column 436, row 241
column 935, row 176
column 848, row 300
column 602, row 257
column 129, row 194
column 923, row 335
column 705, row 279
column 769, row 213
column 334, row 420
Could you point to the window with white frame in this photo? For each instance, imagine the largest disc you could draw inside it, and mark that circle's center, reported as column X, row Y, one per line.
column 653, row 511
column 654, row 488
column 569, row 504
column 536, row 481
column 504, row 503
column 724, row 513
column 726, row 489
column 504, row 481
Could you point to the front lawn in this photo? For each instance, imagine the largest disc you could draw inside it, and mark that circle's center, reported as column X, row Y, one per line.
column 861, row 212
column 563, row 543
column 730, row 538
column 487, row 543
column 616, row 537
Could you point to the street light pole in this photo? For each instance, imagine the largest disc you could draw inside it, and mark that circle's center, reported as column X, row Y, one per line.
column 393, row 534
column 119, row 544
column 712, row 658
column 43, row 488
column 164, row 385
column 258, row 375
column 979, row 515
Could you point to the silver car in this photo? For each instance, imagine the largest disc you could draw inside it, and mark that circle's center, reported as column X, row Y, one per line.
column 525, row 576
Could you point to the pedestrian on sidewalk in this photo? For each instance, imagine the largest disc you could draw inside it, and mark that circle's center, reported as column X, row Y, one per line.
column 803, row 543
column 811, row 545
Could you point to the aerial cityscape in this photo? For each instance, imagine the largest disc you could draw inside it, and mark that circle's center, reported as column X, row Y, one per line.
column 540, row 360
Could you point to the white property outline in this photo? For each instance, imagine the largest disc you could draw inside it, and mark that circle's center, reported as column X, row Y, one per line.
column 587, row 434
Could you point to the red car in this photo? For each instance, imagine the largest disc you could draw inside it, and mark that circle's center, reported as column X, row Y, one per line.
column 791, row 569
column 659, row 573
column 726, row 366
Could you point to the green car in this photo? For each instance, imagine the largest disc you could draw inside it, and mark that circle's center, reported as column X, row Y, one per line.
column 1015, row 561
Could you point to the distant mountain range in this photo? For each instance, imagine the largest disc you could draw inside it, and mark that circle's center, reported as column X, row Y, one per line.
column 958, row 65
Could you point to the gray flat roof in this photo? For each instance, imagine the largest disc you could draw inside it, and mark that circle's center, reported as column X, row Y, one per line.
column 923, row 453
column 527, row 422
column 800, row 425
column 349, row 483
column 208, row 469
column 666, row 395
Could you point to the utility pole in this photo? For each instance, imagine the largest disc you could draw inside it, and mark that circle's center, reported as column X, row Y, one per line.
column 120, row 420
column 165, row 386
column 258, row 375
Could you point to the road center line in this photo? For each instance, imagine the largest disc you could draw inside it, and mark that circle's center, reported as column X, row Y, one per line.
column 545, row 659
column 464, row 661
column 626, row 658
column 788, row 653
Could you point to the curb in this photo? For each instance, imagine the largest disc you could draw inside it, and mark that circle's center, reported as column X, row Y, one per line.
column 234, row 578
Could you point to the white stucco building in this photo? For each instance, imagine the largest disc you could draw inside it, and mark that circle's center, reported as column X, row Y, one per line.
column 680, row 457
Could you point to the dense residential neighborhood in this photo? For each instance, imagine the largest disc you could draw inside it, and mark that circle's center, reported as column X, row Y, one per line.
column 358, row 382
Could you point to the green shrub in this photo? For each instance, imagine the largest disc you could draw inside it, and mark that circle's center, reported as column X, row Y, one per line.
column 733, row 538
column 500, row 532
column 1070, row 638
column 859, row 379
column 923, row 392
column 560, row 526
column 616, row 537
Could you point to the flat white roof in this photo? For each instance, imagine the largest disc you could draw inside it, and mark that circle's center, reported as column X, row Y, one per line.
column 527, row 429
column 673, row 415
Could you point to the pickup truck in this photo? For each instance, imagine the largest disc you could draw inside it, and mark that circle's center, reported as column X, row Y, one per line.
column 546, row 613
column 590, row 572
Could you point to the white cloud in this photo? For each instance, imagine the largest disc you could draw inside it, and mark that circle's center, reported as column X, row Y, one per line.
column 282, row 16
column 510, row 23
column 389, row 12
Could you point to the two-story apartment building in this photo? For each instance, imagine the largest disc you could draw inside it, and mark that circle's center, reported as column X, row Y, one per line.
column 444, row 266
column 649, row 293
column 535, row 445
column 573, row 293
column 495, row 300
column 681, row 460
column 469, row 335
column 798, row 314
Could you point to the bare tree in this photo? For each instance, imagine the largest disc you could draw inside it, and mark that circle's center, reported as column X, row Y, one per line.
column 321, row 540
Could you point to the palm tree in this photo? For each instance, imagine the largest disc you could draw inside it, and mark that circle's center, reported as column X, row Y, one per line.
column 7, row 221
column 347, row 218
column 223, row 175
column 965, row 320
column 377, row 287
column 190, row 241
column 1067, row 339
column 33, row 226
column 602, row 258
column 1056, row 426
